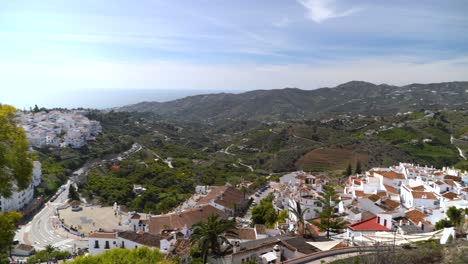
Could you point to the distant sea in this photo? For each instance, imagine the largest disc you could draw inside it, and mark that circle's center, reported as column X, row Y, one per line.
column 96, row 98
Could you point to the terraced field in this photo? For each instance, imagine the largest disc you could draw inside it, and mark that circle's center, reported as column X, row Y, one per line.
column 323, row 159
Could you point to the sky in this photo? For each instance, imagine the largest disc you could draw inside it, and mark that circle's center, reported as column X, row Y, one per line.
column 52, row 49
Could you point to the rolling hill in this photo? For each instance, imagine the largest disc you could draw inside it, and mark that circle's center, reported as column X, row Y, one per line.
column 354, row 97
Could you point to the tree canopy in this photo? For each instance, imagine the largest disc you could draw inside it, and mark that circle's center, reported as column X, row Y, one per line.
column 15, row 161
column 141, row 255
column 7, row 231
column 264, row 213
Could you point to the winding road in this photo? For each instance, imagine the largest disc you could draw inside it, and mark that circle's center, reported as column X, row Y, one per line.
column 44, row 228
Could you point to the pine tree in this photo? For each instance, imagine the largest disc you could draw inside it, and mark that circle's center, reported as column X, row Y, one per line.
column 329, row 219
column 72, row 193
column 349, row 170
column 358, row 167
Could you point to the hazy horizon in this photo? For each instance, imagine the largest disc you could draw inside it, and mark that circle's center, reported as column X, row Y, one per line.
column 98, row 98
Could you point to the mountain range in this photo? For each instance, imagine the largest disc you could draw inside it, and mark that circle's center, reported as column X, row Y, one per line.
column 355, row 97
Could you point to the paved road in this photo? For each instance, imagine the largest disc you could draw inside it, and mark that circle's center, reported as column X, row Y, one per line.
column 43, row 229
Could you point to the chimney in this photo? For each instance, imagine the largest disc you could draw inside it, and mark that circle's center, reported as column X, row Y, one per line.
column 277, row 251
column 235, row 248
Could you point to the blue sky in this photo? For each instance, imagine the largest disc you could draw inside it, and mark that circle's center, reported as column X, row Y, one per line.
column 51, row 46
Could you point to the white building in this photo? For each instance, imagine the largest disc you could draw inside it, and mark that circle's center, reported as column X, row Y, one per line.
column 98, row 242
column 37, row 173
column 18, row 200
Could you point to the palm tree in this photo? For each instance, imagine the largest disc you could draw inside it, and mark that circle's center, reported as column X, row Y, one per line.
column 299, row 213
column 210, row 235
column 49, row 249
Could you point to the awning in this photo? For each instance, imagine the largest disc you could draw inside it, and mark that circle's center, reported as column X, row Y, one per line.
column 270, row 256
column 326, row 245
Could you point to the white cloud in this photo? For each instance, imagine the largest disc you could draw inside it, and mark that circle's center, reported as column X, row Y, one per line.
column 321, row 10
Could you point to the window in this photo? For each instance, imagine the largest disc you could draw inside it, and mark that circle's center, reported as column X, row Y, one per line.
column 385, row 222
column 96, row 244
column 107, row 245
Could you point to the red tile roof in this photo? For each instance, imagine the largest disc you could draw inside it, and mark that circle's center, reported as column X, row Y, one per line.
column 244, row 234
column 450, row 182
column 439, row 183
column 416, row 216
column 419, row 188
column 223, row 195
column 450, row 195
column 391, row 174
column 374, row 198
column 390, row 204
column 450, row 177
column 103, row 235
column 368, row 225
column 424, row 195
column 391, row 189
column 179, row 220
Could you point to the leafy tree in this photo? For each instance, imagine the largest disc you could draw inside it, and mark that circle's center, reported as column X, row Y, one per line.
column 282, row 216
column 209, row 235
column 299, row 214
column 264, row 213
column 141, row 255
column 15, row 161
column 456, row 217
column 36, row 109
column 73, row 193
column 329, row 219
column 7, row 230
column 47, row 254
column 358, row 167
column 349, row 170
column 443, row 224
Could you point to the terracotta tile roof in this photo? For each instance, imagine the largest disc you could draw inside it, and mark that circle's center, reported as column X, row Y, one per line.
column 391, row 189
column 103, row 235
column 366, row 215
column 450, row 177
column 382, row 194
column 223, row 195
column 391, row 174
column 450, row 182
column 439, row 182
column 424, row 195
column 419, row 188
column 361, row 194
column 390, row 204
column 244, row 234
column 179, row 220
column 416, row 216
column 143, row 238
column 136, row 216
column 450, row 195
column 374, row 198
column 368, row 225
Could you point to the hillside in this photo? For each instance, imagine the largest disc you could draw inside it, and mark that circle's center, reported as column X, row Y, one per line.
column 291, row 103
